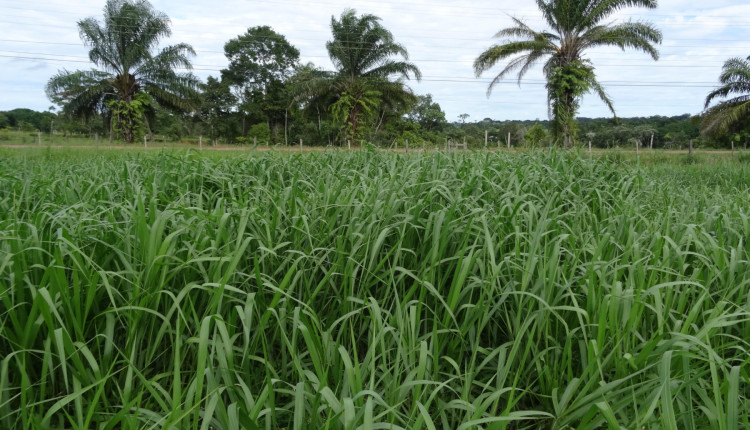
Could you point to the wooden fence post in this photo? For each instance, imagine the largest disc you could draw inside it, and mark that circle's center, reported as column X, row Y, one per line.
column 691, row 147
column 652, row 142
column 200, row 142
column 508, row 140
column 486, row 136
column 407, row 146
column 300, row 144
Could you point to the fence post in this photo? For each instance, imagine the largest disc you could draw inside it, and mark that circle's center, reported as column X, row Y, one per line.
column 349, row 144
column 691, row 146
column 589, row 147
column 200, row 142
column 144, row 143
column 508, row 140
column 255, row 142
column 652, row 142
column 407, row 145
column 300, row 144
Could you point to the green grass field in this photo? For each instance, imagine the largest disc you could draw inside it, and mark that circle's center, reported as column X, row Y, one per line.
column 372, row 290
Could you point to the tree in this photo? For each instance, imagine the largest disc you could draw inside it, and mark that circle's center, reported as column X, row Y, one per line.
column 216, row 106
column 734, row 112
column 132, row 75
column 535, row 136
column 427, row 114
column 577, row 25
column 362, row 52
column 259, row 62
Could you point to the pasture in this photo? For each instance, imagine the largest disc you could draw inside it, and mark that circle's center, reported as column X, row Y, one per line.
column 373, row 290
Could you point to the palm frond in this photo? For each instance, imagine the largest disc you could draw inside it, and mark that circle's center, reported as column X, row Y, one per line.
column 598, row 89
column 398, row 68
column 497, row 53
column 735, row 77
column 599, row 10
column 718, row 119
column 82, row 93
column 636, row 35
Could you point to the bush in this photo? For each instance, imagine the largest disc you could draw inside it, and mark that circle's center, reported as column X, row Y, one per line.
column 261, row 131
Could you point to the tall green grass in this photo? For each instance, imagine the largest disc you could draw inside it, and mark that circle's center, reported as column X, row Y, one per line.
column 371, row 291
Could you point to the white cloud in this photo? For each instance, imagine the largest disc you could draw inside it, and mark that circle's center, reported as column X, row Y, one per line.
column 443, row 38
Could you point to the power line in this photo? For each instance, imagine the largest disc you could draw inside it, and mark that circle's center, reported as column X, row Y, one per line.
column 430, row 9
column 457, row 79
column 207, row 67
column 598, row 56
column 704, row 65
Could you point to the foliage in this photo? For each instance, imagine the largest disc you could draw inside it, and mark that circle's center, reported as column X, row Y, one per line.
column 124, row 48
column 732, row 113
column 354, row 109
column 428, row 114
column 260, row 60
column 370, row 290
column 362, row 52
column 577, row 26
column 565, row 86
column 217, row 102
column 261, row 131
column 26, row 126
column 128, row 117
column 535, row 137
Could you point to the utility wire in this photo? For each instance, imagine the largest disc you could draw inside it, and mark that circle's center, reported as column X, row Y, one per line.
column 457, row 79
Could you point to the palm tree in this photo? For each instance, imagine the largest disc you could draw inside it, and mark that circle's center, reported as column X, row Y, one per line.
column 362, row 52
column 735, row 80
column 132, row 75
column 577, row 25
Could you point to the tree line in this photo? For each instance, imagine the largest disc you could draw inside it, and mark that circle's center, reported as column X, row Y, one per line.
column 266, row 94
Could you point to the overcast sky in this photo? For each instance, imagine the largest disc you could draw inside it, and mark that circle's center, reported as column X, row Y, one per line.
column 443, row 38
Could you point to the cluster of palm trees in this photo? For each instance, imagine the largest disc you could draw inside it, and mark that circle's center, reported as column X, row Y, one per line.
column 371, row 68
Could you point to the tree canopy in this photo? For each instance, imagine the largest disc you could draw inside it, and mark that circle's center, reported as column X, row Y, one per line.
column 576, row 26
column 369, row 77
column 734, row 112
column 132, row 72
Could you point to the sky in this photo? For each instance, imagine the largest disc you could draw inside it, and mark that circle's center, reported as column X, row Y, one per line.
column 443, row 37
